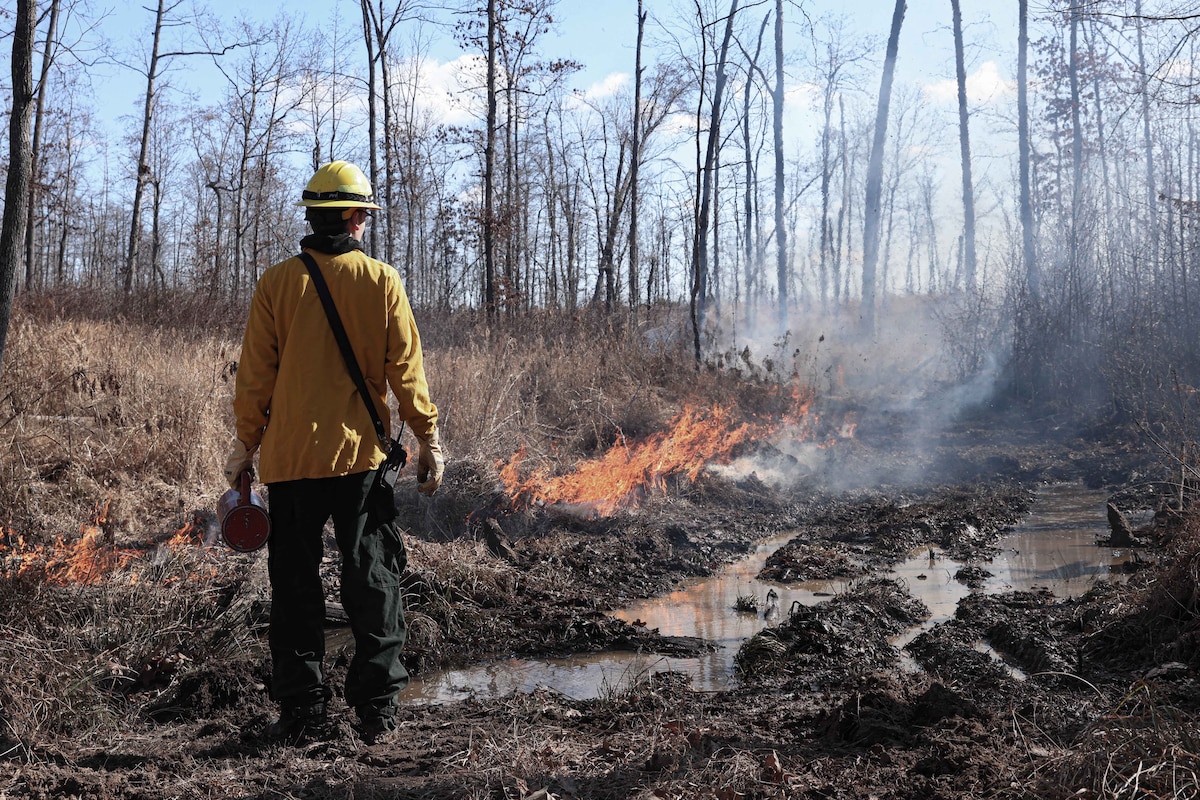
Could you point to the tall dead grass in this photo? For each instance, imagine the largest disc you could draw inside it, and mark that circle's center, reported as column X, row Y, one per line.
column 128, row 408
column 77, row 656
column 96, row 410
column 131, row 404
column 558, row 387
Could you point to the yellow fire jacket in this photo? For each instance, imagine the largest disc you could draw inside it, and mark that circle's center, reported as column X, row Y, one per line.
column 293, row 395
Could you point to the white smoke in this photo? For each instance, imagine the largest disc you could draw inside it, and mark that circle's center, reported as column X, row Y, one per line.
column 899, row 389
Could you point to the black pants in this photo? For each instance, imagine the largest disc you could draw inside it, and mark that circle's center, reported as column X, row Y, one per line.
column 373, row 558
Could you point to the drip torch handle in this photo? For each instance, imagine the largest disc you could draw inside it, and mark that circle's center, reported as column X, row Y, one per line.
column 244, row 493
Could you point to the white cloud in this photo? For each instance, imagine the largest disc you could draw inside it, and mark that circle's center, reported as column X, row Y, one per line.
column 604, row 89
column 447, row 88
column 610, row 85
column 984, row 86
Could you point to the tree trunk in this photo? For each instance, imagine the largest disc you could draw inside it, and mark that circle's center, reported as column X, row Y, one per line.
column 1101, row 138
column 571, row 218
column 388, row 217
column 35, row 151
column 635, row 298
column 845, row 210
column 700, row 247
column 156, row 235
column 508, row 204
column 553, row 201
column 489, row 170
column 781, row 271
column 872, row 210
column 615, row 206
column 826, row 242
column 372, row 120
column 1148, row 141
column 1074, row 268
column 964, row 146
column 1032, row 272
column 143, row 169
column 715, row 211
column 16, row 187
column 752, row 265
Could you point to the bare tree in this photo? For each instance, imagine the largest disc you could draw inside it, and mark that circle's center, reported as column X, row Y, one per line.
column 635, row 162
column 616, row 192
column 489, row 172
column 323, row 76
column 48, row 48
column 781, row 271
column 964, row 144
column 565, row 177
column 415, row 133
column 1147, row 139
column 1074, row 276
column 212, row 134
column 379, row 25
column 751, row 225
column 142, row 168
column 260, row 96
column 16, row 187
column 833, row 60
column 66, row 137
column 875, row 175
column 1032, row 273
column 704, row 200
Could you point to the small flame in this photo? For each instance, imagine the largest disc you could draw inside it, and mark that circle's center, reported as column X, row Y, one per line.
column 85, row 561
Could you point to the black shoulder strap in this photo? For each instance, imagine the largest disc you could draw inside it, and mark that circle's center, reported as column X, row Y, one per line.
column 339, row 333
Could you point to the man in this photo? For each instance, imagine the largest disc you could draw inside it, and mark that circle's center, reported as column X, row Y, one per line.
column 320, row 455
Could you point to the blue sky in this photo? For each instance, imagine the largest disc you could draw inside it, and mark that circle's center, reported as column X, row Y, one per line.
column 601, row 35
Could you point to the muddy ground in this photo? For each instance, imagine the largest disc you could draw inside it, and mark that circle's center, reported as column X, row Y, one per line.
column 1091, row 697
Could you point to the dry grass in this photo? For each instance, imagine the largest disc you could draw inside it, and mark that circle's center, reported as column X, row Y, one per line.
column 115, row 419
column 560, row 388
column 94, row 411
column 75, row 652
column 1139, row 748
column 135, row 410
column 1160, row 622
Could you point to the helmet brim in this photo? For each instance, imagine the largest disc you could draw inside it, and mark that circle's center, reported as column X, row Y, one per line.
column 339, row 204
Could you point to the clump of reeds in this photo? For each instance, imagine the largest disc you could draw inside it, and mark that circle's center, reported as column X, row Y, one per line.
column 746, row 604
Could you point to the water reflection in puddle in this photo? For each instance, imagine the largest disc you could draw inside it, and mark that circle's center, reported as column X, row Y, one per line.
column 1054, row 548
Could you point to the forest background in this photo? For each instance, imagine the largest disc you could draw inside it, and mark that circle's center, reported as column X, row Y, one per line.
column 785, row 201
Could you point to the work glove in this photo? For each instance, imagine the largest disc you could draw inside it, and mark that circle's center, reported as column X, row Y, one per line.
column 430, row 463
column 241, row 458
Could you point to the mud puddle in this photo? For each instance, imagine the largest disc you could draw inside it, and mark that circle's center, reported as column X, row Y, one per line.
column 1054, row 548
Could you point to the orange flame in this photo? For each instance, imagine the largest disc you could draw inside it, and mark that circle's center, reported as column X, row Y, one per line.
column 85, row 561
column 694, row 439
column 619, row 478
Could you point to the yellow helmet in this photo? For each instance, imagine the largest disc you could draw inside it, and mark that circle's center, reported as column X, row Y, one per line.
column 338, row 184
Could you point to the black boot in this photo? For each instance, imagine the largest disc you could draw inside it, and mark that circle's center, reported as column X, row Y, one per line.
column 377, row 725
column 299, row 723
